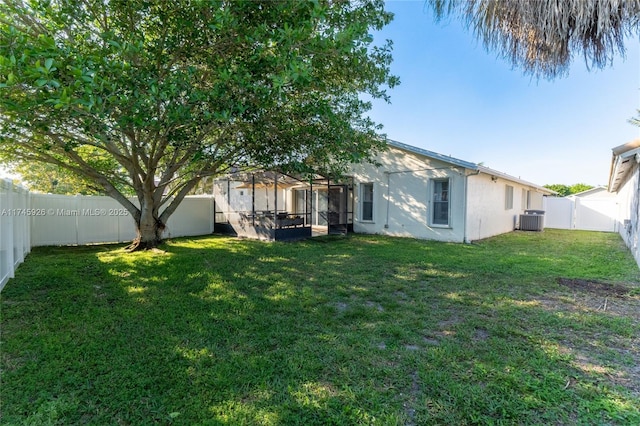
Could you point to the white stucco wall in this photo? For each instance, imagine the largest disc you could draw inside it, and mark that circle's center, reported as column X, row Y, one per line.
column 628, row 217
column 487, row 214
column 402, row 188
column 401, row 196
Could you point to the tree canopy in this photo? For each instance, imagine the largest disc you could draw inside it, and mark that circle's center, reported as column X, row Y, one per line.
column 53, row 179
column 155, row 96
column 565, row 190
column 543, row 36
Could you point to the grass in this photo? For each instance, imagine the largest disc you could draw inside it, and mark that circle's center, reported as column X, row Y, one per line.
column 356, row 330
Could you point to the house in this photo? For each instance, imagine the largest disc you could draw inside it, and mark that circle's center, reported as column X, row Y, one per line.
column 624, row 181
column 422, row 194
column 406, row 191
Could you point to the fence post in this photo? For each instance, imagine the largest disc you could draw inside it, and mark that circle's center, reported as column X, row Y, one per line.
column 6, row 232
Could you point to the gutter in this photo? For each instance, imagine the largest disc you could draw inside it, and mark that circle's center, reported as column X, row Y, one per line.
column 622, row 154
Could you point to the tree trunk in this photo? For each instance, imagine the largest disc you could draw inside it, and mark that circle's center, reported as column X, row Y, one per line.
column 149, row 227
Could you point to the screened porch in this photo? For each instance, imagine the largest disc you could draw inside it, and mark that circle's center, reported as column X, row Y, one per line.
column 275, row 206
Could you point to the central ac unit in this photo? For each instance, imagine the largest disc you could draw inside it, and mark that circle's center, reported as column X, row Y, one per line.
column 531, row 222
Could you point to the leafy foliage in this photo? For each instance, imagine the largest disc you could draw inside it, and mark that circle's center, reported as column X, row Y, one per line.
column 565, row 190
column 635, row 120
column 171, row 92
column 53, row 179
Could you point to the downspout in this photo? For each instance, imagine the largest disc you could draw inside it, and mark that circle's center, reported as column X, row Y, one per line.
column 253, row 199
column 464, row 206
column 228, row 196
column 328, row 213
column 353, row 204
column 228, row 209
column 311, row 202
column 386, row 223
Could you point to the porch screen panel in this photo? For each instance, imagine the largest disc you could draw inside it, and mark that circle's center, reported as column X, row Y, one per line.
column 301, row 201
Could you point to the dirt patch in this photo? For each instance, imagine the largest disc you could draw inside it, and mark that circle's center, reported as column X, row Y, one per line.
column 596, row 287
column 341, row 307
column 611, row 357
column 375, row 305
column 480, row 334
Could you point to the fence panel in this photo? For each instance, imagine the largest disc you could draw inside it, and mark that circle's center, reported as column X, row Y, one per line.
column 6, row 232
column 596, row 215
column 29, row 220
column 59, row 223
column 71, row 220
column 21, row 216
column 194, row 216
column 588, row 214
column 15, row 213
column 558, row 213
column 103, row 220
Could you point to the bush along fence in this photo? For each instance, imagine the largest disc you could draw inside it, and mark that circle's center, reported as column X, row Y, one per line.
column 30, row 219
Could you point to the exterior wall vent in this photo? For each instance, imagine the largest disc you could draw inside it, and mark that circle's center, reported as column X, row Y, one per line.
column 532, row 220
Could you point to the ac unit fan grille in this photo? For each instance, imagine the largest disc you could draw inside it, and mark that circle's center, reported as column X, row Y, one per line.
column 531, row 222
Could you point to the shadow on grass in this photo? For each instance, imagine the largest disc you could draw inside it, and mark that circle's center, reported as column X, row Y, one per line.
column 364, row 330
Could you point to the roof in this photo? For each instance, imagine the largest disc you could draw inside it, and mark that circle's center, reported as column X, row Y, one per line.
column 434, row 155
column 465, row 164
column 623, row 160
column 591, row 191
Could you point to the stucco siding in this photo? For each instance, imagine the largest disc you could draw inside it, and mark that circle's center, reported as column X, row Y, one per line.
column 628, row 197
column 401, row 196
column 417, row 195
column 487, row 211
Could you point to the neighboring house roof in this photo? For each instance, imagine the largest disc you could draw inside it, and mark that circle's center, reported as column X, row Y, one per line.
column 466, row 165
column 624, row 157
column 598, row 190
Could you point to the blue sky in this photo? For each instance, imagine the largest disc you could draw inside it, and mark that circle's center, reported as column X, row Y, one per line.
column 455, row 98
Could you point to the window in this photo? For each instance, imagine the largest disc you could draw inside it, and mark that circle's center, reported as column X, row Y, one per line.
column 526, row 199
column 508, row 197
column 440, row 202
column 366, row 203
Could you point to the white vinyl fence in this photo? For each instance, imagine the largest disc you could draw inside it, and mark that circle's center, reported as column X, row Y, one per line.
column 82, row 219
column 14, row 228
column 30, row 220
column 580, row 213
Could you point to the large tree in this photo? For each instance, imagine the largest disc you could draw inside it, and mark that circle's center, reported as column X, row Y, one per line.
column 542, row 36
column 170, row 92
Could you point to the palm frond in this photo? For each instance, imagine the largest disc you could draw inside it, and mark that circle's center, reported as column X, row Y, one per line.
column 543, row 36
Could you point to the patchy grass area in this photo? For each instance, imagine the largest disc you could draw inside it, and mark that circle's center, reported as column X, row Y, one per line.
column 527, row 328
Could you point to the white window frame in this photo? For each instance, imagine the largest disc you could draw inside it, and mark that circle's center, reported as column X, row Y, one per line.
column 526, row 199
column 433, row 202
column 508, row 197
column 363, row 190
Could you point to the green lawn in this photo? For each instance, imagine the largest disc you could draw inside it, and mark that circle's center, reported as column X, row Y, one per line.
column 526, row 328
